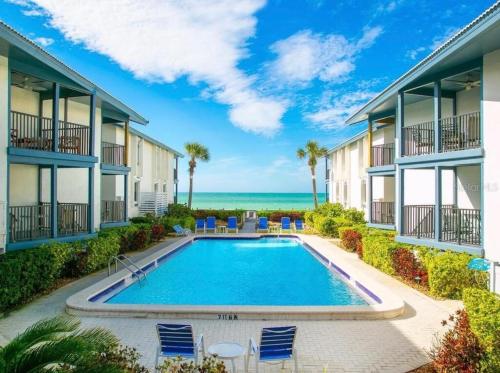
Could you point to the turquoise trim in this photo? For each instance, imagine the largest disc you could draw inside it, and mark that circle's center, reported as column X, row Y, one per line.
column 473, row 250
column 448, row 158
column 382, row 170
column 382, row 226
column 115, row 224
column 55, row 116
column 109, row 169
column 422, row 91
column 30, row 244
column 382, row 114
column 29, row 156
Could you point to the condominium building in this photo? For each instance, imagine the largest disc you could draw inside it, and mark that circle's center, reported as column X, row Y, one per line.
column 63, row 182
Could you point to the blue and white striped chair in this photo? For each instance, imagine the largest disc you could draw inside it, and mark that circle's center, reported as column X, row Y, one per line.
column 177, row 340
column 199, row 226
column 285, row 224
column 232, row 224
column 276, row 345
column 211, row 224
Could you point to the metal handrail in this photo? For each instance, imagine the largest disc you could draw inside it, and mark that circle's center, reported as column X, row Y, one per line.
column 122, row 258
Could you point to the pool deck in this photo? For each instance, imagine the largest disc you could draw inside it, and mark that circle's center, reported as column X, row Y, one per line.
column 392, row 345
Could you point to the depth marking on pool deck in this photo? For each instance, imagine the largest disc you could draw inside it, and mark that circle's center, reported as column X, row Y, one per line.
column 387, row 305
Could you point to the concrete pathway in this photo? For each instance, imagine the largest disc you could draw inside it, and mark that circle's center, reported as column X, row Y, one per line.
column 248, row 226
column 396, row 345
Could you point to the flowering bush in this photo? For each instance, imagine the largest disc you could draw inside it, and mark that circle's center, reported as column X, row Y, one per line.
column 459, row 349
column 157, row 232
column 179, row 365
column 351, row 239
column 408, row 267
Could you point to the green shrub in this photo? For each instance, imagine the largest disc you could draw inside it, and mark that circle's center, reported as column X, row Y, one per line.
column 330, row 209
column 356, row 216
column 98, row 251
column 309, row 218
column 27, row 273
column 177, row 210
column 377, row 251
column 219, row 214
column 185, row 222
column 483, row 308
column 448, row 273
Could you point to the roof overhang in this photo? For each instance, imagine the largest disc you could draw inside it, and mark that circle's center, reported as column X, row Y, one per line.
column 25, row 55
column 462, row 51
column 348, row 141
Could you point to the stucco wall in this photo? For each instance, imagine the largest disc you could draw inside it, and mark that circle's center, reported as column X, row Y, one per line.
column 423, row 111
column 468, row 101
column 468, row 187
column 383, row 189
column 23, row 189
column 4, row 117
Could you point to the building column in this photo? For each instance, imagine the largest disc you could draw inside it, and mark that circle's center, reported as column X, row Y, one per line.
column 399, row 149
column 176, row 179
column 399, row 205
column 53, row 200
column 125, row 196
column 369, row 192
column 125, row 155
column 399, row 139
column 92, row 202
column 92, row 124
column 55, row 116
column 4, row 143
column 437, row 199
column 370, row 142
column 437, row 116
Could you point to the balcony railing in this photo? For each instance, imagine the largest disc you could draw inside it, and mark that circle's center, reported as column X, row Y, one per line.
column 113, row 154
column 418, row 139
column 460, row 132
column 462, row 226
column 28, row 223
column 72, row 218
column 382, row 213
column 418, row 221
column 383, row 155
column 33, row 132
column 112, row 211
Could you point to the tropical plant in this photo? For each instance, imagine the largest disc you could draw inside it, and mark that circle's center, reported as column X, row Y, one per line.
column 58, row 345
column 312, row 151
column 178, row 365
column 195, row 151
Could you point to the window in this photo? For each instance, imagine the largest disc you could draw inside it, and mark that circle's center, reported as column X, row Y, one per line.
column 137, row 190
column 164, row 188
column 156, row 187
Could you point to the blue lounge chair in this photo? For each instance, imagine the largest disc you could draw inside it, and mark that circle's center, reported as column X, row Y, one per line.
column 285, row 224
column 262, row 224
column 299, row 226
column 211, row 224
column 276, row 345
column 200, row 225
column 177, row 340
column 232, row 224
column 179, row 231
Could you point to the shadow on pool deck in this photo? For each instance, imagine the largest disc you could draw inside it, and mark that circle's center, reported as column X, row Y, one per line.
column 396, row 345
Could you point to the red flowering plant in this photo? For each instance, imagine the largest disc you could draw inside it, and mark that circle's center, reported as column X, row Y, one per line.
column 351, row 240
column 157, row 232
column 406, row 265
column 459, row 349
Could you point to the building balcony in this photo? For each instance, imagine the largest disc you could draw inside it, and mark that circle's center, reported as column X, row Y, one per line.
column 113, row 154
column 459, row 132
column 382, row 213
column 29, row 131
column 113, row 211
column 382, row 155
column 458, row 225
column 33, row 222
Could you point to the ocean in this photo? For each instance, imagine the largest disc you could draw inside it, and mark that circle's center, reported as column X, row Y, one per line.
column 253, row 201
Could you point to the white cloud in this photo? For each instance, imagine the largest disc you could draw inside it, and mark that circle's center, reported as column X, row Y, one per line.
column 44, row 42
column 162, row 41
column 306, row 56
column 437, row 41
column 33, row 13
column 335, row 110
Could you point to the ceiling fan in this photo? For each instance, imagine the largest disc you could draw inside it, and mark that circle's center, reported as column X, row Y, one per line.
column 468, row 84
column 29, row 83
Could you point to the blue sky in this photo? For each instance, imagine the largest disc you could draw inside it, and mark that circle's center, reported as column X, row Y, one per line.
column 250, row 79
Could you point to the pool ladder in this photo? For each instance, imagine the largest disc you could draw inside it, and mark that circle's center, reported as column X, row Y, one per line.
column 128, row 264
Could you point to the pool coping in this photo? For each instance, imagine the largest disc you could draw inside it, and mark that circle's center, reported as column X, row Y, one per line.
column 385, row 304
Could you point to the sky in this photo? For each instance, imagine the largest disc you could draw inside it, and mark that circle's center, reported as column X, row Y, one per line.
column 253, row 80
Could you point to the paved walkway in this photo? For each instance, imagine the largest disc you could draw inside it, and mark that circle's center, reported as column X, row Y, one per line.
column 248, row 226
column 397, row 345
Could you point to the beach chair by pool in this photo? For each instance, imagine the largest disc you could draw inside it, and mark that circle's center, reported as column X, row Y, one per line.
column 262, row 225
column 232, row 224
column 211, row 224
column 299, row 226
column 178, row 340
column 276, row 345
column 179, row 231
column 285, row 224
column 199, row 226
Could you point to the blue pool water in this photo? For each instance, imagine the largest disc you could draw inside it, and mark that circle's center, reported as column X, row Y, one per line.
column 266, row 271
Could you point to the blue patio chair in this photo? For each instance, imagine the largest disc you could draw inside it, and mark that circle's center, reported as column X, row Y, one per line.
column 276, row 345
column 178, row 340
column 179, row 231
column 199, row 226
column 262, row 225
column 299, row 226
column 285, row 224
column 211, row 224
column 232, row 224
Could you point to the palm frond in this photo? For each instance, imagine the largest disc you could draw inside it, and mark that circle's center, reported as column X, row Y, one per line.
column 301, row 154
column 197, row 151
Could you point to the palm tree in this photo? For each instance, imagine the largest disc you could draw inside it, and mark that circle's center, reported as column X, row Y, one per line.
column 57, row 345
column 312, row 151
column 195, row 151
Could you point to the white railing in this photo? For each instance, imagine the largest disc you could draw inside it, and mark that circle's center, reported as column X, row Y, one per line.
column 155, row 203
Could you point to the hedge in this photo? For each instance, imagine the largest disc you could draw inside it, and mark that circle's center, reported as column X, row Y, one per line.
column 378, row 250
column 483, row 308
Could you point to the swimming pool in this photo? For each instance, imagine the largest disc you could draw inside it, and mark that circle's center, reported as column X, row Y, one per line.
column 242, row 276
column 265, row 271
